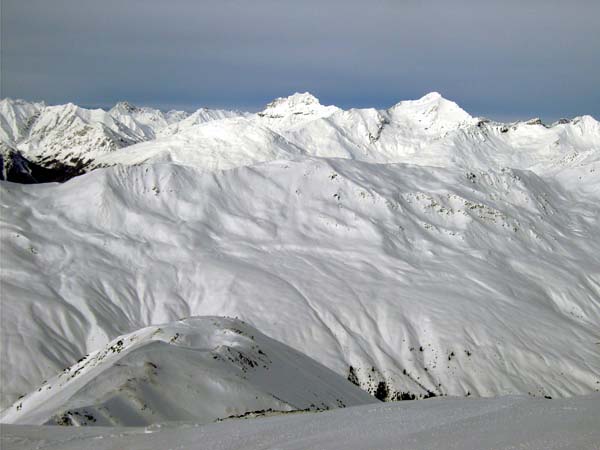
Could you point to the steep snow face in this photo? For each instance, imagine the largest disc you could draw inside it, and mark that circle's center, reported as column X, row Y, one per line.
column 74, row 135
column 67, row 135
column 293, row 111
column 16, row 118
column 201, row 116
column 436, row 424
column 197, row 369
column 431, row 113
column 431, row 131
column 408, row 280
column 214, row 145
column 145, row 122
column 14, row 166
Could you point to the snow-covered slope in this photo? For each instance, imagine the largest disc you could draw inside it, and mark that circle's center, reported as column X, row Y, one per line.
column 68, row 136
column 14, row 166
column 18, row 169
column 408, row 280
column 214, row 145
column 16, row 118
column 198, row 369
column 201, row 116
column 430, row 131
column 466, row 424
column 433, row 131
column 299, row 109
column 415, row 251
column 145, row 122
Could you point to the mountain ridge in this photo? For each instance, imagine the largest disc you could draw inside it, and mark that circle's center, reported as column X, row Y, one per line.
column 428, row 131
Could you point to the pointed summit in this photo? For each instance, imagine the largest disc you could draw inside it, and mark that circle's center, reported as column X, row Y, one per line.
column 124, row 107
column 431, row 97
column 432, row 112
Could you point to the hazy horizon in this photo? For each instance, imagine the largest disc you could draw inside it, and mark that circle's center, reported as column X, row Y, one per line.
column 505, row 61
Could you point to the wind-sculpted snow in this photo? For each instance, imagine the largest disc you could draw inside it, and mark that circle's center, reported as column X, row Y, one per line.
column 200, row 369
column 214, row 145
column 407, row 280
column 145, row 122
column 199, row 117
column 436, row 424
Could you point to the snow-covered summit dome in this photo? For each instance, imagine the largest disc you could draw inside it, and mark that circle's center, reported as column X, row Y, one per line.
column 296, row 104
column 295, row 110
column 432, row 111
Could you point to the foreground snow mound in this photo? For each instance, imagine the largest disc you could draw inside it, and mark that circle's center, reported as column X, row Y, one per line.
column 466, row 424
column 408, row 280
column 198, row 369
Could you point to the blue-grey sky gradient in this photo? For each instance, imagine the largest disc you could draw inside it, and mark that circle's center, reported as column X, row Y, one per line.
column 502, row 59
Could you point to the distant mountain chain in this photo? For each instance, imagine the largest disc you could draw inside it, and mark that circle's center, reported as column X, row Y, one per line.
column 67, row 139
column 414, row 252
column 39, row 142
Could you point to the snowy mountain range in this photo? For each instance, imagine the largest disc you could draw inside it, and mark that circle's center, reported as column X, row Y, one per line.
column 430, row 131
column 414, row 251
column 67, row 139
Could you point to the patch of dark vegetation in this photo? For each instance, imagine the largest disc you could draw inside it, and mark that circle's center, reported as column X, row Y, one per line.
column 271, row 411
column 64, row 421
column 352, row 377
column 117, row 347
column 400, row 396
column 429, row 394
column 71, row 418
column 382, row 391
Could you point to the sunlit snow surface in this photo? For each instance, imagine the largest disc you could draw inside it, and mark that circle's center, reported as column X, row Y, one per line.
column 415, row 248
column 200, row 369
column 465, row 424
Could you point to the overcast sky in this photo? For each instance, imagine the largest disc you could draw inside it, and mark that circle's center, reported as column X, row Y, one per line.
column 502, row 59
